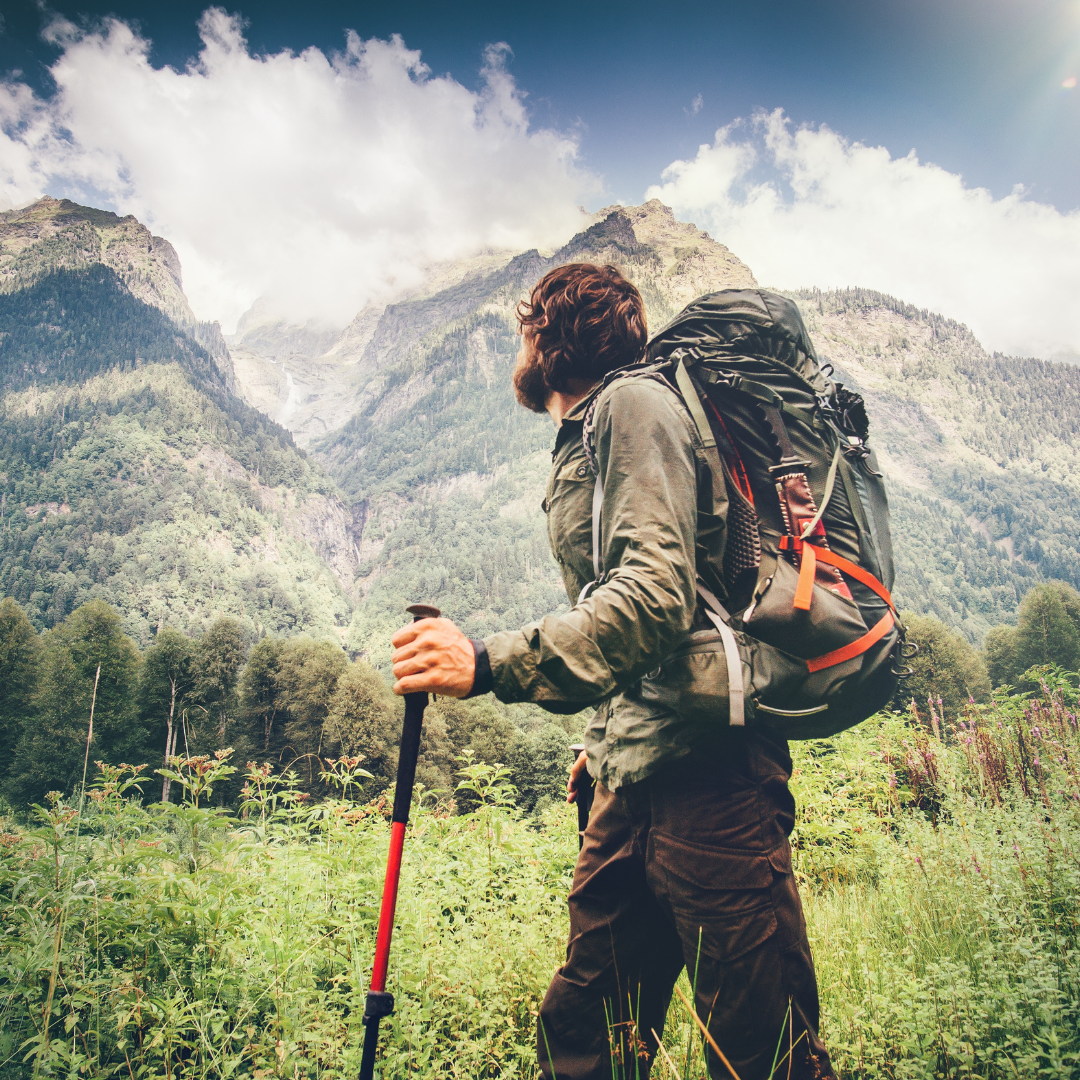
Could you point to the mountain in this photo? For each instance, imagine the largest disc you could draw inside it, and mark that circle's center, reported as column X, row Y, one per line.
column 446, row 472
column 981, row 453
column 130, row 470
column 147, row 460
column 57, row 234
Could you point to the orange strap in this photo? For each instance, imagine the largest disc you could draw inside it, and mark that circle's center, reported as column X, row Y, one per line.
column 805, row 590
column 856, row 648
column 793, row 543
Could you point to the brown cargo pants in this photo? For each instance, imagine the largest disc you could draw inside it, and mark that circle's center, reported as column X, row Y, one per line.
column 691, row 867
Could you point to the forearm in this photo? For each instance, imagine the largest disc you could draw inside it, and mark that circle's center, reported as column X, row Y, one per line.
column 625, row 628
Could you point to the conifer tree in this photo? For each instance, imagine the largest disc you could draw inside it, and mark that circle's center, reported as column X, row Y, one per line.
column 165, row 687
column 219, row 655
column 260, row 694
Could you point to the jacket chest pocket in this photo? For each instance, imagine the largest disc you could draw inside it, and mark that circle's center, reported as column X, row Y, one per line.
column 569, row 513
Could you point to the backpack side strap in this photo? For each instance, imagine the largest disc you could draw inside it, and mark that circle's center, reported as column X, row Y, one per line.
column 719, row 617
column 692, row 399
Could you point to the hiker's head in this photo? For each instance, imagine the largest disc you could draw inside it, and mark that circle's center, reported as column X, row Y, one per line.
column 580, row 322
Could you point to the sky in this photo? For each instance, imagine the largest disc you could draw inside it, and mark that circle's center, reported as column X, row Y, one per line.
column 928, row 148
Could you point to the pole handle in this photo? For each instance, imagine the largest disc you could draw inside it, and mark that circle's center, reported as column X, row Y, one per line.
column 410, row 732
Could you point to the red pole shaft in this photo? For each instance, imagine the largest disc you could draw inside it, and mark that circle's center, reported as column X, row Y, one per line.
column 388, row 906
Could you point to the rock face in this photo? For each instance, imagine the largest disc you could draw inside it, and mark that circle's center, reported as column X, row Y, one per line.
column 314, row 379
column 693, row 262
column 311, row 377
column 57, row 234
column 129, row 469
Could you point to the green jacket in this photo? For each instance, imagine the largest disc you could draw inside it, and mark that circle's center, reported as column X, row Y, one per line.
column 635, row 645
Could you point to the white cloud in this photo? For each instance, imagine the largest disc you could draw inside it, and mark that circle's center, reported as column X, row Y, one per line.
column 837, row 213
column 323, row 181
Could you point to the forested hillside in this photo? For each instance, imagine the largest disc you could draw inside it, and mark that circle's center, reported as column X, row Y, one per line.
column 446, row 471
column 129, row 470
column 981, row 453
column 447, row 468
column 132, row 472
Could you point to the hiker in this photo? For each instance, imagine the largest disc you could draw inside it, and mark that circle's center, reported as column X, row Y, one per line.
column 686, row 860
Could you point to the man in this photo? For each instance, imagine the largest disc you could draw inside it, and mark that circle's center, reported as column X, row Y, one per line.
column 686, row 860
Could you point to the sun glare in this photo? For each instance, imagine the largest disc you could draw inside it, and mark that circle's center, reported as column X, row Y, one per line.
column 1069, row 83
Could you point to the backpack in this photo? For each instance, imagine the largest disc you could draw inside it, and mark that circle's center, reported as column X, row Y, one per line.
column 809, row 632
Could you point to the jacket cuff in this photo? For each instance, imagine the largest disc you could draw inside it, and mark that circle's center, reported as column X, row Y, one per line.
column 483, row 680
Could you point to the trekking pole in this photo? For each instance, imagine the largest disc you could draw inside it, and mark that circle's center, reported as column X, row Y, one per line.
column 379, row 1003
column 583, row 799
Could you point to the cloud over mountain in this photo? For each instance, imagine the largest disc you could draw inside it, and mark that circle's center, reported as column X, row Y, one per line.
column 324, row 181
column 836, row 213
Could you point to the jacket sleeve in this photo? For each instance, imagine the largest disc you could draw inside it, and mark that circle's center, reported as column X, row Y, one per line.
column 645, row 603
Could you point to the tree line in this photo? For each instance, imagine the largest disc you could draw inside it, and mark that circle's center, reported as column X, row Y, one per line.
column 299, row 702
column 949, row 670
column 295, row 703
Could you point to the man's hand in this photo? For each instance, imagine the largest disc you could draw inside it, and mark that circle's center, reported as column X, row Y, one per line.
column 578, row 776
column 433, row 655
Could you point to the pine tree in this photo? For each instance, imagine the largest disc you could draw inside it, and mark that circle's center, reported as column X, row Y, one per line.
column 165, row 687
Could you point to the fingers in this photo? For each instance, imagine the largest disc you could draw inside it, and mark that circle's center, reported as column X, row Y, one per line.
column 408, row 632
column 413, row 684
column 576, row 771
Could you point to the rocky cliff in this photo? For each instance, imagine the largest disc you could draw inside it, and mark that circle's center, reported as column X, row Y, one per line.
column 129, row 469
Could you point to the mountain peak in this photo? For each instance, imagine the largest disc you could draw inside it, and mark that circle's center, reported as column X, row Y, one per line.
column 58, row 234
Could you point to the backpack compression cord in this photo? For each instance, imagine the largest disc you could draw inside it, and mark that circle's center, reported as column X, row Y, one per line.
column 379, row 1003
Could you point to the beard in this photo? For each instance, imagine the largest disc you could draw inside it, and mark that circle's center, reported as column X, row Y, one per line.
column 530, row 386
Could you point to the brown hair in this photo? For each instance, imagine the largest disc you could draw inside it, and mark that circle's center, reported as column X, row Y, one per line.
column 585, row 321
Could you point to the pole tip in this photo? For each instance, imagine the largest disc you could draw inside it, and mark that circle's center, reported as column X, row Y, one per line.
column 423, row 611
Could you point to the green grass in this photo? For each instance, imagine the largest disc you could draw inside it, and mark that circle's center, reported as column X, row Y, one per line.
column 941, row 879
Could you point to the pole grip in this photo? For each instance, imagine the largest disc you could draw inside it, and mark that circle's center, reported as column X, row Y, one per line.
column 371, row 1040
column 407, row 755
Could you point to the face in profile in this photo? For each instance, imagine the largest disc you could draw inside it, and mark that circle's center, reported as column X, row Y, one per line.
column 529, row 385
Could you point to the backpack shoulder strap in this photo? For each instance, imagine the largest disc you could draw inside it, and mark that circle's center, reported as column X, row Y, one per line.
column 689, row 393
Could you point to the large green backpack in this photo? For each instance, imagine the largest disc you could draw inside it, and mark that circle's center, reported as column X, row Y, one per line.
column 810, row 634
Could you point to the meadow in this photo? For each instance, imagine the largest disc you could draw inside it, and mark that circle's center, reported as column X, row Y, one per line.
column 939, row 864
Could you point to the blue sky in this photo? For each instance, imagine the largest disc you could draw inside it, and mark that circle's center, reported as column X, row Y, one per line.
column 926, row 148
column 972, row 85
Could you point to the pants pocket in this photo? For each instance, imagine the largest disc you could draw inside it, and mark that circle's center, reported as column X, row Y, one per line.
column 721, row 900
